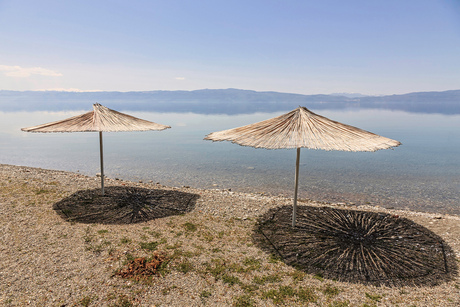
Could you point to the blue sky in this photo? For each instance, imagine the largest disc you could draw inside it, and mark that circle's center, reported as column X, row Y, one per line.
column 307, row 47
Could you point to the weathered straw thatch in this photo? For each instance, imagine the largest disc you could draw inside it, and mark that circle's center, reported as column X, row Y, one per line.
column 101, row 119
column 303, row 128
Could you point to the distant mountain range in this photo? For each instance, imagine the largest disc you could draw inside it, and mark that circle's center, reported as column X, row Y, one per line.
column 225, row 101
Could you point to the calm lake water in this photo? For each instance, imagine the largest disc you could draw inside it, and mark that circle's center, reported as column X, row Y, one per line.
column 422, row 174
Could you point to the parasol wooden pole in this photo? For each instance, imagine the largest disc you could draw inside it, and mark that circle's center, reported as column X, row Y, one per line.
column 102, row 161
column 294, row 211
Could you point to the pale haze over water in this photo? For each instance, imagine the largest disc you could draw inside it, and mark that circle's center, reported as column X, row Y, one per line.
column 422, row 174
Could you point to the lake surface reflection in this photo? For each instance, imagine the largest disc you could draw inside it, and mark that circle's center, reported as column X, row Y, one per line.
column 423, row 174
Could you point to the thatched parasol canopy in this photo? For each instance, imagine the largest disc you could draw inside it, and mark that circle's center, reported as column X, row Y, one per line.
column 101, row 119
column 303, row 128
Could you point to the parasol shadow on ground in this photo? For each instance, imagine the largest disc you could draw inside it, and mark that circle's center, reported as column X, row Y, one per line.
column 357, row 246
column 124, row 205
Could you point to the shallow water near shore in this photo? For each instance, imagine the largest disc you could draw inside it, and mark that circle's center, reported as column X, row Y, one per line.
column 423, row 174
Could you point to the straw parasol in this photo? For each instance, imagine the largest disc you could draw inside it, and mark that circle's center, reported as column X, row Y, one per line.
column 101, row 119
column 303, row 128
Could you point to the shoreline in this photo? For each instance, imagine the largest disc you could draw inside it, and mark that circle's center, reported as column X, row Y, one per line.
column 319, row 195
column 48, row 260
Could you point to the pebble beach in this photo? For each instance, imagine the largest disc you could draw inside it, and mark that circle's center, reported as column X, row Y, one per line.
column 59, row 249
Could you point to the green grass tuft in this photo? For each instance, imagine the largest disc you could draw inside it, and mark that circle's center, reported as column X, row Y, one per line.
column 307, row 295
column 205, row 294
column 266, row 279
column 185, row 266
column 151, row 246
column 318, row 276
column 125, row 240
column 340, row 303
column 230, row 279
column 243, row 301
column 279, row 296
column 190, row 227
column 42, row 191
column 330, row 290
column 374, row 297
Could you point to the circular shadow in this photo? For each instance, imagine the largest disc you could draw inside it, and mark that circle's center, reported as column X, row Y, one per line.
column 124, row 205
column 356, row 246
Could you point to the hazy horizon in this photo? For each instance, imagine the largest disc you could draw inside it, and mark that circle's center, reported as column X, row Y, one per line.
column 226, row 101
column 345, row 94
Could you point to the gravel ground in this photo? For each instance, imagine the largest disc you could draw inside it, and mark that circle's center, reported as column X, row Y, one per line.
column 62, row 244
